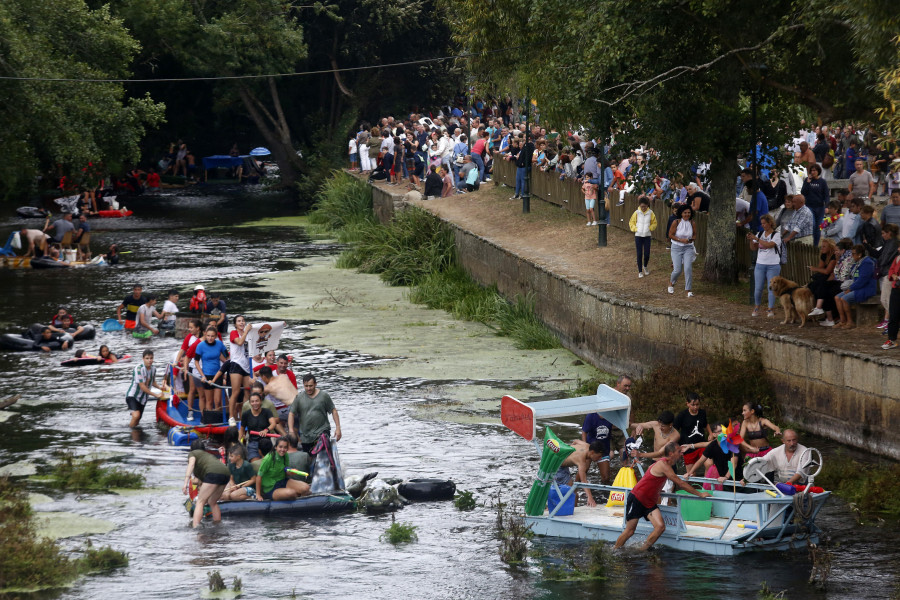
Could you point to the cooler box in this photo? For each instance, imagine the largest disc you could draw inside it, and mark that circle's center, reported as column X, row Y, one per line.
column 568, row 506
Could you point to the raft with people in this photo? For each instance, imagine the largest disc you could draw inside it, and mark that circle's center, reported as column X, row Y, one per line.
column 723, row 517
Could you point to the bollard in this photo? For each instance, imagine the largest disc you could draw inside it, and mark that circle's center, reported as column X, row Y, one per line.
column 602, row 217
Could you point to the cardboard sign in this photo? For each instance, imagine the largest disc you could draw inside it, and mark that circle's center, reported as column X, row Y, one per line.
column 264, row 337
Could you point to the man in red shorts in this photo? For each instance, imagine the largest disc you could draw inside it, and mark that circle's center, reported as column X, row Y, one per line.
column 691, row 423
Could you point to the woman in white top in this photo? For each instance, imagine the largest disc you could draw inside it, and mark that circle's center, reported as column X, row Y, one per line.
column 682, row 232
column 768, row 261
column 643, row 223
column 240, row 372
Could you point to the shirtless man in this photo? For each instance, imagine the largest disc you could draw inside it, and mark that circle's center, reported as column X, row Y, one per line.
column 663, row 433
column 584, row 455
column 36, row 239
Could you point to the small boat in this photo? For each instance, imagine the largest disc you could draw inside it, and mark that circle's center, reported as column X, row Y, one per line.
column 15, row 262
column 114, row 214
column 744, row 518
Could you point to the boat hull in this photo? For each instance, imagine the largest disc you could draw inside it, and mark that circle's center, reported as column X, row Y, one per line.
column 311, row 506
column 176, row 416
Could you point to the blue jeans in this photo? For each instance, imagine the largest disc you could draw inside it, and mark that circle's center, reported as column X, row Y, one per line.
column 818, row 214
column 642, row 246
column 683, row 260
column 479, row 162
column 762, row 274
column 520, row 181
column 455, row 168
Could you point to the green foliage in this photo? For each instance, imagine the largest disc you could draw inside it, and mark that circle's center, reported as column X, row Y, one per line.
column 518, row 321
column 579, row 566
column 765, row 593
column 31, row 562
column 343, row 203
column 725, row 381
column 454, row 291
column 513, row 534
column 59, row 127
column 399, row 533
column 216, row 583
column 870, row 489
column 464, row 500
column 73, row 473
column 102, row 560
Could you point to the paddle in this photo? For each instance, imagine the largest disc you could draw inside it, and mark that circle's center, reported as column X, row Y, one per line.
column 112, row 325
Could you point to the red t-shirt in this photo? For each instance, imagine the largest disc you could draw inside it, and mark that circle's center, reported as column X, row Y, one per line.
column 478, row 146
column 153, row 180
column 648, row 488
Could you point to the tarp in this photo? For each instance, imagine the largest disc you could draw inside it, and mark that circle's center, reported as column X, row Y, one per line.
column 222, row 161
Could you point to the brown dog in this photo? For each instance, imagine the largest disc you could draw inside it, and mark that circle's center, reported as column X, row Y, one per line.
column 796, row 301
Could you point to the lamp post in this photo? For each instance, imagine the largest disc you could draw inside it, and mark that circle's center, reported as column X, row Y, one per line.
column 601, row 199
column 526, row 195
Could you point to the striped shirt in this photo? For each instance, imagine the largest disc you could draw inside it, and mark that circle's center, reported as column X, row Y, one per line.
column 140, row 374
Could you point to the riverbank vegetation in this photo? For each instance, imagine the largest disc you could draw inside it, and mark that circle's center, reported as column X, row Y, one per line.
column 31, row 562
column 74, row 473
column 399, row 533
column 871, row 490
column 418, row 250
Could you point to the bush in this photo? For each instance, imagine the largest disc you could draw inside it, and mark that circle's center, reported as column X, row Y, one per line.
column 343, row 202
column 104, row 559
column 871, row 489
column 454, row 291
column 399, row 533
column 464, row 500
column 74, row 473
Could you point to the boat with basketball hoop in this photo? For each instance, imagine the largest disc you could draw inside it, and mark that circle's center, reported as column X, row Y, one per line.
column 755, row 516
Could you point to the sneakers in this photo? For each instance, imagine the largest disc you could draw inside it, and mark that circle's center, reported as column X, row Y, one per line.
column 671, row 289
column 755, row 313
column 646, row 271
column 514, row 198
column 190, row 415
column 882, row 325
column 620, row 203
column 690, row 294
column 589, row 223
column 827, row 323
column 816, row 312
column 770, row 313
column 231, row 422
column 640, row 275
column 595, row 223
column 888, row 345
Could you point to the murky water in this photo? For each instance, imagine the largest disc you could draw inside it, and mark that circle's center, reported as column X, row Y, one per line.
column 179, row 240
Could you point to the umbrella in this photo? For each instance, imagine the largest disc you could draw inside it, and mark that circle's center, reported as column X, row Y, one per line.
column 260, row 151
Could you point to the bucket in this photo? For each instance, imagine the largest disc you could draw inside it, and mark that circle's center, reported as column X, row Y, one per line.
column 694, row 510
column 70, row 255
column 568, row 506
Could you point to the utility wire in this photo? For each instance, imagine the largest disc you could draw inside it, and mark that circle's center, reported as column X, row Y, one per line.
column 237, row 77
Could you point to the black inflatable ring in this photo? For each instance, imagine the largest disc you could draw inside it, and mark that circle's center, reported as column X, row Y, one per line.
column 421, row 490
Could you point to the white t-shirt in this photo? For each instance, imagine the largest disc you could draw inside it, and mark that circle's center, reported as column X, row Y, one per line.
column 352, row 146
column 769, row 256
column 147, row 311
column 238, row 354
column 170, row 308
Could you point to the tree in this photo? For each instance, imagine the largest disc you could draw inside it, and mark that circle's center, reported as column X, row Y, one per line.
column 57, row 128
column 677, row 75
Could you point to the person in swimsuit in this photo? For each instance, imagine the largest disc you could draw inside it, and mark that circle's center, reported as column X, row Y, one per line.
column 643, row 500
column 754, row 431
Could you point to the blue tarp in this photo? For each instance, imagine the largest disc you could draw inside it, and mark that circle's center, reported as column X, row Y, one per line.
column 222, row 161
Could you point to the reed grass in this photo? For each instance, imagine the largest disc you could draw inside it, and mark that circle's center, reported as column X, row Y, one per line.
column 73, row 473
column 343, row 202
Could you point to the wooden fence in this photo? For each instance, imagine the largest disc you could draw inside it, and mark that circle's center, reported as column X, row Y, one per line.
column 566, row 193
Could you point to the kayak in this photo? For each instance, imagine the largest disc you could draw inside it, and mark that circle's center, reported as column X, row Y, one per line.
column 31, row 212
column 90, row 360
column 114, row 214
column 176, row 416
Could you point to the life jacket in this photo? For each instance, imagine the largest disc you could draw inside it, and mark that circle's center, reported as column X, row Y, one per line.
column 198, row 301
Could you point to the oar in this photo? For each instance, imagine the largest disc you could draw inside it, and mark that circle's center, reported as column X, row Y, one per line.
column 260, row 433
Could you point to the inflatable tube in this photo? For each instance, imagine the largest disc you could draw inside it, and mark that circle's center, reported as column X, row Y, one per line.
column 88, row 332
column 176, row 416
column 83, row 361
column 315, row 505
column 31, row 212
column 45, row 262
column 114, row 214
column 423, row 490
column 18, row 343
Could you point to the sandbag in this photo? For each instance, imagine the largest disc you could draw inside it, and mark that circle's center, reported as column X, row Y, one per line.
column 554, row 453
column 625, row 478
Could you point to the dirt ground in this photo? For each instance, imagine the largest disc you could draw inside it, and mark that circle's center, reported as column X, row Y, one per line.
column 560, row 241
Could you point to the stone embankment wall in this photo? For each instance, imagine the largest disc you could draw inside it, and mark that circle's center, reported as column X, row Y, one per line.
column 849, row 397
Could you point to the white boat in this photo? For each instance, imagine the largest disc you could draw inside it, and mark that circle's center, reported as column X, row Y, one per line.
column 755, row 516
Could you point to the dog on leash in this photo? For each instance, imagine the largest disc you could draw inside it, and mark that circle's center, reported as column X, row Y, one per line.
column 796, row 301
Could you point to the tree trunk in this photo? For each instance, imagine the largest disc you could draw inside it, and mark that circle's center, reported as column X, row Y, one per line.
column 276, row 134
column 720, row 265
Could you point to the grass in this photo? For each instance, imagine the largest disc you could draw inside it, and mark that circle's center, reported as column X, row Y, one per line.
column 399, row 533
column 30, row 562
column 767, row 594
column 417, row 249
column 579, row 566
column 513, row 534
column 870, row 489
column 73, row 473
column 464, row 500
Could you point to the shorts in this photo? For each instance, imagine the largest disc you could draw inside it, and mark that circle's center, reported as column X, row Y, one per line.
column 848, row 297
column 278, row 486
column 135, row 405
column 604, row 459
column 590, row 203
column 635, row 510
column 208, row 384
column 251, row 492
column 760, row 452
column 693, row 456
column 216, row 478
column 237, row 369
column 354, row 157
column 253, row 450
column 562, row 476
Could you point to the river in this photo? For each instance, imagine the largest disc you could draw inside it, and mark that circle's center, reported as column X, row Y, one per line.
column 398, row 418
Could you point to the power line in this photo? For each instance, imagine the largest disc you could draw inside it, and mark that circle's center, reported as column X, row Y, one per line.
column 238, row 77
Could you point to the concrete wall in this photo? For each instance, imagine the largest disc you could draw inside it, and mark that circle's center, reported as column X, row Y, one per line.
column 845, row 396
